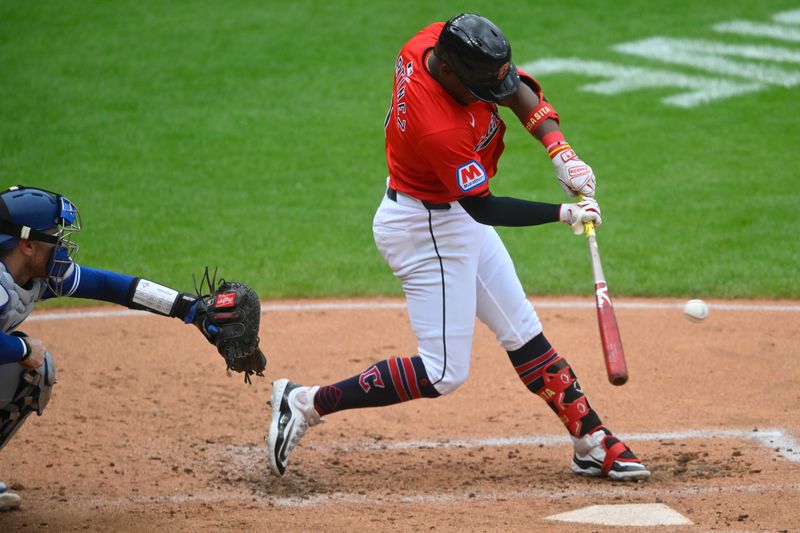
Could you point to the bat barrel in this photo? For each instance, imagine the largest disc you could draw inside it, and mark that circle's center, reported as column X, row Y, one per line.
column 610, row 338
column 614, row 356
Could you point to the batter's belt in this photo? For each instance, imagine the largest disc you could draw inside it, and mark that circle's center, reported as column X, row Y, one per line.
column 391, row 194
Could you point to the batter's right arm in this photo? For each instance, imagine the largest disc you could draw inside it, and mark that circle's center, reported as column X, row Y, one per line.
column 514, row 212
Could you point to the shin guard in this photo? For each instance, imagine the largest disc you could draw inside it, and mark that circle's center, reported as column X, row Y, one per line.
column 546, row 374
column 25, row 392
column 561, row 390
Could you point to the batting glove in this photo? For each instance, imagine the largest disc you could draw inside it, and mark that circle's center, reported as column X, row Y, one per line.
column 574, row 176
column 576, row 215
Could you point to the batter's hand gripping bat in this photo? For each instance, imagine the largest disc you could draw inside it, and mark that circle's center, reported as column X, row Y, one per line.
column 606, row 319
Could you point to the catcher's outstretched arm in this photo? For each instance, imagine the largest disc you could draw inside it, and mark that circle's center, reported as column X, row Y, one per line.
column 228, row 318
column 123, row 289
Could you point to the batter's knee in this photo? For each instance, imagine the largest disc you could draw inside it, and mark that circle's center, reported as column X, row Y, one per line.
column 23, row 392
column 448, row 384
column 449, row 378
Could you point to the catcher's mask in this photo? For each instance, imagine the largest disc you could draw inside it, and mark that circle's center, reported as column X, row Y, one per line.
column 40, row 215
column 479, row 55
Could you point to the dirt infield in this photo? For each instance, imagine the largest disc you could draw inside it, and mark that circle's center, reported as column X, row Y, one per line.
column 146, row 432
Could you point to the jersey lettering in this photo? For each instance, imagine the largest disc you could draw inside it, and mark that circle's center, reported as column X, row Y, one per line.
column 403, row 72
column 399, row 68
column 470, row 175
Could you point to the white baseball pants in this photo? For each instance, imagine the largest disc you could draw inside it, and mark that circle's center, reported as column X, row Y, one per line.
column 452, row 269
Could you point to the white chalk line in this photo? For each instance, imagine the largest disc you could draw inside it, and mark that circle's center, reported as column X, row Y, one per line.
column 347, row 498
column 371, row 306
column 778, row 440
column 775, row 439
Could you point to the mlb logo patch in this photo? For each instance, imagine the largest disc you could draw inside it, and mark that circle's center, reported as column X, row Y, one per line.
column 470, row 175
column 225, row 299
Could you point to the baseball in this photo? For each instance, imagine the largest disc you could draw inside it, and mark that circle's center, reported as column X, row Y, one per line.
column 695, row 310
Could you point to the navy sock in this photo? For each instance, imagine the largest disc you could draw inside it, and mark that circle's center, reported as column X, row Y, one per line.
column 385, row 383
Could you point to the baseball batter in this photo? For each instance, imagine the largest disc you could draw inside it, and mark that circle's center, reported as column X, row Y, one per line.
column 434, row 228
column 36, row 263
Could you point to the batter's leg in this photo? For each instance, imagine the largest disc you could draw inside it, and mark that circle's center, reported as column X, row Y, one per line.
column 435, row 255
column 503, row 306
column 295, row 407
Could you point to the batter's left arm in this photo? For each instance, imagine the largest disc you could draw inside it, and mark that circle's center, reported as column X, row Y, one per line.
column 541, row 120
column 535, row 113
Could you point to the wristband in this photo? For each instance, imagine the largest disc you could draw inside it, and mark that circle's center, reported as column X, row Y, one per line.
column 538, row 115
column 152, row 297
column 27, row 349
column 185, row 307
column 550, row 140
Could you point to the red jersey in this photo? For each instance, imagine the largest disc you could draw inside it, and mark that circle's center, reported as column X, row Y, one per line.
column 437, row 149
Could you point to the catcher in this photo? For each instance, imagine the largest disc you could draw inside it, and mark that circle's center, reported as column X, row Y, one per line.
column 37, row 263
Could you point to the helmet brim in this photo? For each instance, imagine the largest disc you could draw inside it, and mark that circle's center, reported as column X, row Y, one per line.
column 498, row 91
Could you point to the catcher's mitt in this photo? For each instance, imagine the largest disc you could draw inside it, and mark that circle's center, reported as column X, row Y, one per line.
column 229, row 318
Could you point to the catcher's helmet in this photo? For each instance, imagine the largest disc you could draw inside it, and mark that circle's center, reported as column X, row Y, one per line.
column 26, row 213
column 33, row 214
column 479, row 55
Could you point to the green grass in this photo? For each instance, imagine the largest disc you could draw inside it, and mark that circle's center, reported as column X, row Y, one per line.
column 248, row 135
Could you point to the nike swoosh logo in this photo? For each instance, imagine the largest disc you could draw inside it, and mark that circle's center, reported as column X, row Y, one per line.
column 282, row 451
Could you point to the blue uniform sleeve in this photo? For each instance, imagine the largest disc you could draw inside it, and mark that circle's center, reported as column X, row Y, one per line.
column 96, row 284
column 11, row 348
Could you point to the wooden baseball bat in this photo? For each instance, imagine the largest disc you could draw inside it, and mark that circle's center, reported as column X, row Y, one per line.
column 609, row 330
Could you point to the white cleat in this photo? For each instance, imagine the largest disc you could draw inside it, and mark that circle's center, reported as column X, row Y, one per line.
column 292, row 414
column 601, row 454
